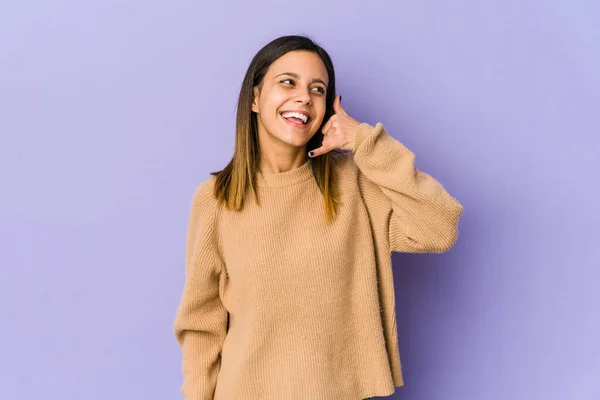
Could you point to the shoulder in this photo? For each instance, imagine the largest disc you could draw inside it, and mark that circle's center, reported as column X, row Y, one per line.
column 352, row 179
column 203, row 198
column 343, row 161
column 345, row 166
column 347, row 173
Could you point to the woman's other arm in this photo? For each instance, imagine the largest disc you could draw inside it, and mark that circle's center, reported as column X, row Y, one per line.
column 201, row 320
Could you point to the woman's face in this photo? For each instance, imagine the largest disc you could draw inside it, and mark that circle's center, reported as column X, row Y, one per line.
column 297, row 81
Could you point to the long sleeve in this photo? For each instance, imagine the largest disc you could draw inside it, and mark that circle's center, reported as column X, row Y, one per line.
column 201, row 320
column 424, row 217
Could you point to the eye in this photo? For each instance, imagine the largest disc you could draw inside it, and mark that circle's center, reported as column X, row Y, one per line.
column 319, row 88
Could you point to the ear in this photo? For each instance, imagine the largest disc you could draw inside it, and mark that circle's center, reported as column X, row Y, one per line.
column 255, row 99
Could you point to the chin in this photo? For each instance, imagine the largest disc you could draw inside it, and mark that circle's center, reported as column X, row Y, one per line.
column 296, row 141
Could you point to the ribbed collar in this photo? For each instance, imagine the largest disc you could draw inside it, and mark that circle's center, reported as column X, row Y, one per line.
column 286, row 178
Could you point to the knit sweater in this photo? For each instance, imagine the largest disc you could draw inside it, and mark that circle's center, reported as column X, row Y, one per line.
column 278, row 304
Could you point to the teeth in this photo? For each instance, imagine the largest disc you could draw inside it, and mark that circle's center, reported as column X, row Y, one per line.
column 303, row 117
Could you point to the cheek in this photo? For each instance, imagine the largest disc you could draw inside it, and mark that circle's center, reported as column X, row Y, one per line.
column 277, row 94
column 270, row 100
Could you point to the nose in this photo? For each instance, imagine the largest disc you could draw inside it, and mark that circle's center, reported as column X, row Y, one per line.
column 304, row 97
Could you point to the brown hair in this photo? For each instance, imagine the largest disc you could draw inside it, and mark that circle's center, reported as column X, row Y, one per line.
column 233, row 182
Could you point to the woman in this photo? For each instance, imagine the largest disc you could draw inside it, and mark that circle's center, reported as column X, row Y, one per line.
column 289, row 291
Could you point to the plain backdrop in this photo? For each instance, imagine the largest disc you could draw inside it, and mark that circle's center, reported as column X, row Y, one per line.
column 112, row 112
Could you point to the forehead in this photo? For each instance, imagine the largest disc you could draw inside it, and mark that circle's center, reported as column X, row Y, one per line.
column 304, row 63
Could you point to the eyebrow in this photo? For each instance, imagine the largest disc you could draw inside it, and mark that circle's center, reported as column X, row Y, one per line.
column 298, row 77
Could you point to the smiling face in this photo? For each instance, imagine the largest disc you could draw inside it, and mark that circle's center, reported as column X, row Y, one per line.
column 295, row 83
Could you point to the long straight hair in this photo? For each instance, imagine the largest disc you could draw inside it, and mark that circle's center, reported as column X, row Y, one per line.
column 239, row 176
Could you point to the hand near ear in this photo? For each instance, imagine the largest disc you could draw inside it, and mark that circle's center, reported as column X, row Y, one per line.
column 339, row 131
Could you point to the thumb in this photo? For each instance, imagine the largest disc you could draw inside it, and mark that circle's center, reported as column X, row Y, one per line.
column 337, row 106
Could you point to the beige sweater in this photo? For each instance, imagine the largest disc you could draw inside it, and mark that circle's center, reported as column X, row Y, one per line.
column 278, row 305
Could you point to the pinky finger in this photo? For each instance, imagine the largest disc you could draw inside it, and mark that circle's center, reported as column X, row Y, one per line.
column 316, row 152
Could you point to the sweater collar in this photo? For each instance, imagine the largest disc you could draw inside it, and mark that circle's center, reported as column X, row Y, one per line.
column 286, row 178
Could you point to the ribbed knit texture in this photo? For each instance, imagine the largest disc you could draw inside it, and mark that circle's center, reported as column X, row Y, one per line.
column 278, row 304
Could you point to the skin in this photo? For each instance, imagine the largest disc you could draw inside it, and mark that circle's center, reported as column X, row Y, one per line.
column 283, row 146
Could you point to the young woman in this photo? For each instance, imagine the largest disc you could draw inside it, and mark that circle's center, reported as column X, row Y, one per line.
column 289, row 291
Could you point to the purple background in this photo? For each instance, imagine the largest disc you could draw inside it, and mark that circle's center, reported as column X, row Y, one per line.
column 112, row 112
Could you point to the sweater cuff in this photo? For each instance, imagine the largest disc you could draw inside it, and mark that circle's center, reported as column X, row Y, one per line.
column 363, row 131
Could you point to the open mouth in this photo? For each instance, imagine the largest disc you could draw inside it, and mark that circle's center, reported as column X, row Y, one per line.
column 295, row 118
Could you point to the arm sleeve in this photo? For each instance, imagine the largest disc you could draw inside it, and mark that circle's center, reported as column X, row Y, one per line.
column 201, row 320
column 423, row 217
